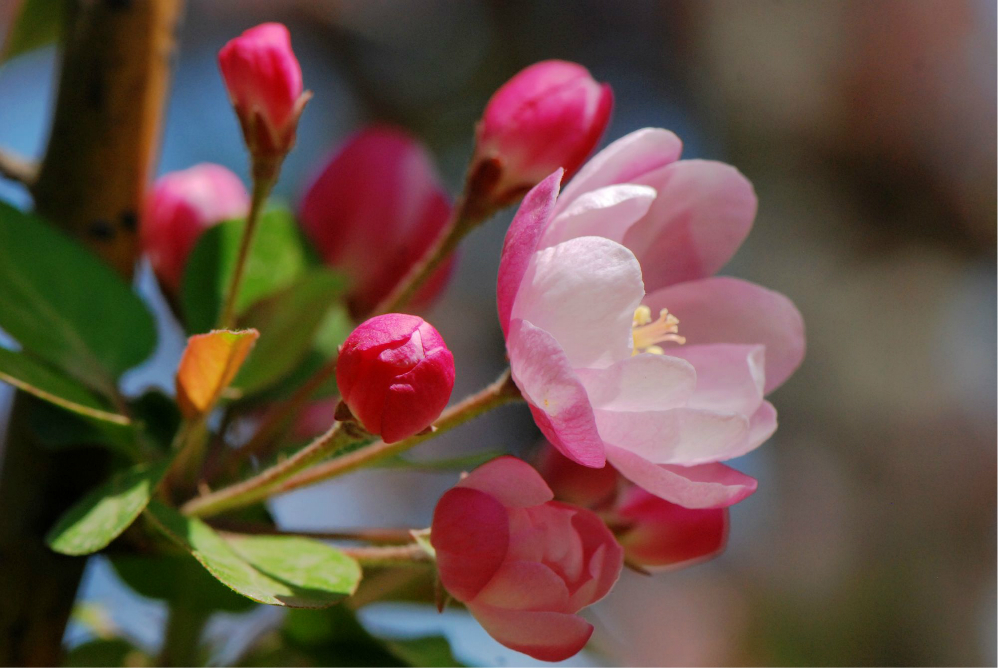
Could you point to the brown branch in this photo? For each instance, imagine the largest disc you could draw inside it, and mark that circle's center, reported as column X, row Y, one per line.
column 115, row 73
column 17, row 168
column 115, row 67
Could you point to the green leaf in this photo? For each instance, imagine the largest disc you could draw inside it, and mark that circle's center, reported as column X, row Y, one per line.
column 276, row 570
column 65, row 306
column 159, row 417
column 59, row 429
column 101, row 516
column 160, row 576
column 302, row 562
column 334, row 637
column 333, row 331
column 107, row 652
column 36, row 378
column 37, row 23
column 424, row 651
column 288, row 322
column 276, row 259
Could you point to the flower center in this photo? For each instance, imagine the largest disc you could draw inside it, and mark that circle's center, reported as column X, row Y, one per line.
column 648, row 333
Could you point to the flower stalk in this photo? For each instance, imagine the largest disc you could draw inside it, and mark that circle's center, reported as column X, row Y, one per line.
column 298, row 471
column 264, row 176
column 388, row 556
column 473, row 207
column 341, row 435
column 499, row 393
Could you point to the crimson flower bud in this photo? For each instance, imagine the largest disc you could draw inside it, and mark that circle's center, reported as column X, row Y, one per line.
column 180, row 206
column 373, row 211
column 523, row 564
column 550, row 115
column 395, row 374
column 264, row 82
column 656, row 535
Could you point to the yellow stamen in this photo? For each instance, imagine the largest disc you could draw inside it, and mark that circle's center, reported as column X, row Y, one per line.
column 648, row 333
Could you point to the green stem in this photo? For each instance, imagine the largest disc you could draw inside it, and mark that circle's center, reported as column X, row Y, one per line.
column 260, row 486
column 182, row 639
column 189, row 444
column 394, row 555
column 268, row 483
column 472, row 207
column 264, row 177
column 373, row 535
column 275, row 421
column 499, row 393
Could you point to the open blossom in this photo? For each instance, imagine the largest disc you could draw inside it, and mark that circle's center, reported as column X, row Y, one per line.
column 373, row 211
column 264, row 81
column 524, row 565
column 655, row 534
column 396, row 374
column 178, row 209
column 549, row 115
column 622, row 343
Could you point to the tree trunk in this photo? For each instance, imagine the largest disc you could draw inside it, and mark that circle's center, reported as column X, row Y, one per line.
column 115, row 71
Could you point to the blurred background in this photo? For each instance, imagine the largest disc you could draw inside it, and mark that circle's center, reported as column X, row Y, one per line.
column 868, row 129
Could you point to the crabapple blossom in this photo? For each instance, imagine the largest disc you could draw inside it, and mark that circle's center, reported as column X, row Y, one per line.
column 178, row 208
column 549, row 115
column 374, row 210
column 655, row 534
column 264, row 82
column 623, row 345
column 395, row 374
column 523, row 564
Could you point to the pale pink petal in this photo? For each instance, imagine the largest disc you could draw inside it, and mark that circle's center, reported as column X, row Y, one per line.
column 607, row 212
column 521, row 241
column 624, row 161
column 526, row 585
column 640, row 383
column 470, row 534
column 547, row 636
column 729, row 377
column 557, row 398
column 762, row 425
column 729, row 310
column 676, row 436
column 703, row 213
column 513, row 482
column 583, row 292
column 704, row 486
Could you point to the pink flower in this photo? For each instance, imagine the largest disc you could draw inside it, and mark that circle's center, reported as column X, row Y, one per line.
column 600, row 362
column 658, row 535
column 264, row 81
column 374, row 210
column 524, row 565
column 395, row 374
column 179, row 207
column 550, row 115
column 655, row 534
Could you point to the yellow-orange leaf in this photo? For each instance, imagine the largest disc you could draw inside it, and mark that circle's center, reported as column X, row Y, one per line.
column 208, row 365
